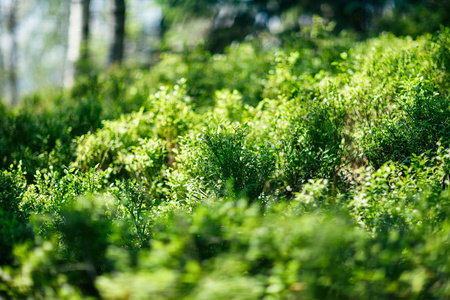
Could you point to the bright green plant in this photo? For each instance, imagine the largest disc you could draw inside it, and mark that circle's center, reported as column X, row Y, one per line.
column 135, row 200
column 382, row 70
column 230, row 160
column 441, row 47
column 125, row 149
column 282, row 80
column 52, row 190
column 404, row 197
column 144, row 161
column 102, row 147
column 172, row 115
column 229, row 107
column 222, row 161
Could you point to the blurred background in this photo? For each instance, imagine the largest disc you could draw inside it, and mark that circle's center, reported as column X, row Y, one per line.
column 48, row 43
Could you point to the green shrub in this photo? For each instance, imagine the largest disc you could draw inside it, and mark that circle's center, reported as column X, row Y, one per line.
column 230, row 160
column 313, row 145
column 52, row 189
column 70, row 259
column 243, row 68
column 404, row 197
column 14, row 213
column 381, row 71
column 168, row 116
column 229, row 107
column 440, row 44
column 173, row 114
column 35, row 140
column 135, row 201
column 415, row 129
column 283, row 80
column 224, row 245
column 40, row 275
column 102, row 146
column 220, row 160
column 86, row 231
column 40, row 132
column 144, row 161
column 137, row 207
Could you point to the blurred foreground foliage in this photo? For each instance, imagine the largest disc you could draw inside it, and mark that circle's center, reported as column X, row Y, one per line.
column 275, row 170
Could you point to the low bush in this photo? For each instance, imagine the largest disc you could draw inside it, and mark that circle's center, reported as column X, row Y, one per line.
column 313, row 145
column 405, row 198
column 416, row 129
column 222, row 161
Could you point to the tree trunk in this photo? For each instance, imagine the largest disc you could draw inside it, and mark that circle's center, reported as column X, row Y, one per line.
column 85, row 30
column 78, row 41
column 2, row 60
column 12, row 75
column 116, row 50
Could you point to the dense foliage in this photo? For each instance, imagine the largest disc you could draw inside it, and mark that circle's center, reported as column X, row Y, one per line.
column 315, row 168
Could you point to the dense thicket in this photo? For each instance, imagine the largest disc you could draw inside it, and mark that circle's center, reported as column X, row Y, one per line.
column 316, row 168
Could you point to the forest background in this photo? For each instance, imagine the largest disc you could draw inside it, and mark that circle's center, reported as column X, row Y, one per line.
column 41, row 41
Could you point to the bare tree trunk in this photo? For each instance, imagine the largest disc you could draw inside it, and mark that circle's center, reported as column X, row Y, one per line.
column 12, row 29
column 85, row 30
column 116, row 50
column 65, row 39
column 2, row 60
column 78, row 40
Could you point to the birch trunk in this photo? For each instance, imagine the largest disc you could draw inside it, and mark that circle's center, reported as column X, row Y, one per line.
column 78, row 41
column 2, row 61
column 116, row 50
column 12, row 74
